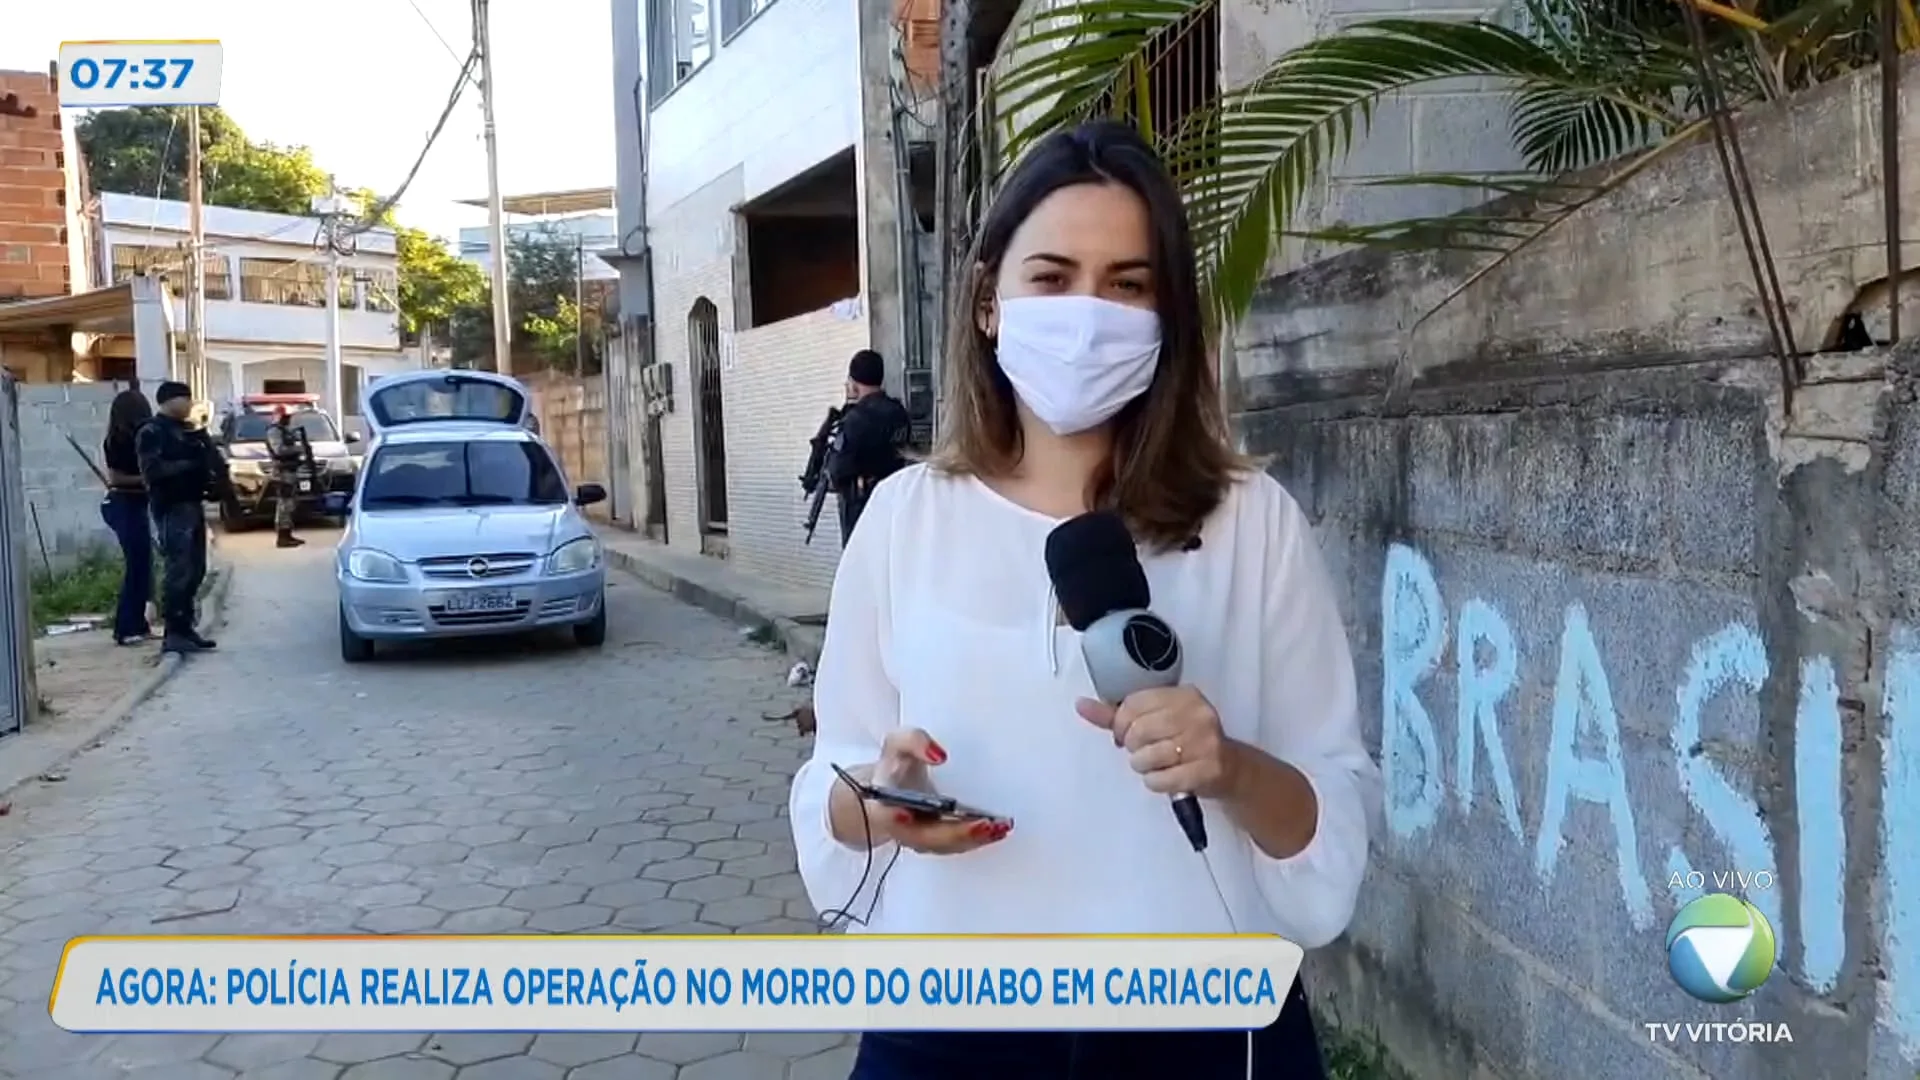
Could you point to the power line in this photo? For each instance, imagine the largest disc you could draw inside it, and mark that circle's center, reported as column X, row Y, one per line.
column 434, row 30
column 371, row 217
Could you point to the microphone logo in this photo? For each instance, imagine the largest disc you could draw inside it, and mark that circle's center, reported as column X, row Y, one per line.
column 1150, row 643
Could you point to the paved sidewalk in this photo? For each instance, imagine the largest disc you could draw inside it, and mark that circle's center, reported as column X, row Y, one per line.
column 796, row 617
column 271, row 788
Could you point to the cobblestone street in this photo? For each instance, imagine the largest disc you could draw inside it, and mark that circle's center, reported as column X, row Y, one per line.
column 270, row 788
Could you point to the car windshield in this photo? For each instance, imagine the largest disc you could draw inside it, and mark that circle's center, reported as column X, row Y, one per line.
column 478, row 473
column 252, row 426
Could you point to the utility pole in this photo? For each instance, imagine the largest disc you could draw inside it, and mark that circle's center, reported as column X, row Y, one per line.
column 196, row 372
column 330, row 235
column 579, row 304
column 496, row 226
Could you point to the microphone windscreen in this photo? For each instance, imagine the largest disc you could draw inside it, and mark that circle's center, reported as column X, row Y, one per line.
column 1095, row 568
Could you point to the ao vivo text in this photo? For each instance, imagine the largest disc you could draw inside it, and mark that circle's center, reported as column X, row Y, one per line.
column 1723, row 880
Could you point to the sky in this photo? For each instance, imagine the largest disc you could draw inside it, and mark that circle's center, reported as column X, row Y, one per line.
column 361, row 82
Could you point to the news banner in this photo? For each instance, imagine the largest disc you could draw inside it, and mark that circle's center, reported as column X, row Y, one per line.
column 643, row 983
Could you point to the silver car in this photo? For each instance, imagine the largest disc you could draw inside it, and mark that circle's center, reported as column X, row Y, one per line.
column 460, row 528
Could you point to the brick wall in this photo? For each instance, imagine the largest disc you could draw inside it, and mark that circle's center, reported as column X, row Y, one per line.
column 33, row 183
column 573, row 420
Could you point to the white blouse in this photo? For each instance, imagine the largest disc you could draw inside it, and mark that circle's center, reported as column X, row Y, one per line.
column 943, row 618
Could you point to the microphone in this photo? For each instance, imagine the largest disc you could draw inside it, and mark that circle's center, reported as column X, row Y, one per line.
column 1103, row 592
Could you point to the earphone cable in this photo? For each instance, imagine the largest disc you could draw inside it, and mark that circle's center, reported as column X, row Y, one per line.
column 837, row 918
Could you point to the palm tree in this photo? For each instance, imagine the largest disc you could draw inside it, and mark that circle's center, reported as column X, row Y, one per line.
column 1601, row 89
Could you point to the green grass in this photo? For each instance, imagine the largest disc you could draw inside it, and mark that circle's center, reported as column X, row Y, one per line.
column 88, row 587
column 1354, row 1056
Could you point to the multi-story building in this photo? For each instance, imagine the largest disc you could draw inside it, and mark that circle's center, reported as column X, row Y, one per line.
column 766, row 150
column 584, row 218
column 266, row 287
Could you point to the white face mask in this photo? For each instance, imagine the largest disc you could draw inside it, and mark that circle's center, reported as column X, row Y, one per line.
column 1077, row 360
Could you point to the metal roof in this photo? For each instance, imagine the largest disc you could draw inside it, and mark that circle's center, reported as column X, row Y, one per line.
column 577, row 201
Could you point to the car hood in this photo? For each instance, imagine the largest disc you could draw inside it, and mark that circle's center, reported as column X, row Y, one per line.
column 414, row 533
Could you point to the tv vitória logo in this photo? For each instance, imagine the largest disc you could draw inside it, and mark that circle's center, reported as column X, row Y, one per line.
column 1720, row 948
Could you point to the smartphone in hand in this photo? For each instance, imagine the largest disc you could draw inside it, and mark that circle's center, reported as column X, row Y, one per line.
column 921, row 804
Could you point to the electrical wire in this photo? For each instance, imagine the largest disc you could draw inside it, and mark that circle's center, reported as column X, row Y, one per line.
column 370, row 219
column 434, row 30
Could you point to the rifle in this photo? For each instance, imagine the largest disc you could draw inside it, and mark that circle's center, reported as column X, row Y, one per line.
column 813, row 481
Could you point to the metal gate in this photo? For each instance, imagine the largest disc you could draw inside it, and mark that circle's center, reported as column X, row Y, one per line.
column 17, row 692
column 703, row 341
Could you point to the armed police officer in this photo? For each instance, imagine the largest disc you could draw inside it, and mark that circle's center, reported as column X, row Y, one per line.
column 287, row 446
column 181, row 468
column 871, row 443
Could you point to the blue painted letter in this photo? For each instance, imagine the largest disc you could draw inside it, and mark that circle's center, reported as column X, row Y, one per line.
column 1413, row 630
column 1735, row 654
column 1899, row 809
column 1823, row 833
column 1582, row 698
column 1481, row 689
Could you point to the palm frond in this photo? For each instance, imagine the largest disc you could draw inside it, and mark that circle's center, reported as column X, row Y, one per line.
column 1254, row 155
column 1076, row 59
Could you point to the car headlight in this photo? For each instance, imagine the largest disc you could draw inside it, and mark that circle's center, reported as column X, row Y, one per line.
column 575, row 556
column 370, row 565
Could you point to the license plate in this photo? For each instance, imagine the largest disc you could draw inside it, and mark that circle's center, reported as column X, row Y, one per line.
column 480, row 600
column 306, row 486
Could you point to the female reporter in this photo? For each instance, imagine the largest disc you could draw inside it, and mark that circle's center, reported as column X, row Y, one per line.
column 1083, row 381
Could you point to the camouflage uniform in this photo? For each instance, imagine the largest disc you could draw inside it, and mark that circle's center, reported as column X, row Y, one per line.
column 283, row 448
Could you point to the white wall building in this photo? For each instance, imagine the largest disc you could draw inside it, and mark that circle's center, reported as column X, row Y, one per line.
column 266, row 295
column 594, row 233
column 762, row 231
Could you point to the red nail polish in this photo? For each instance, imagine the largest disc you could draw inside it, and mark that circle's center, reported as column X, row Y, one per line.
column 902, row 817
column 935, row 754
column 982, row 828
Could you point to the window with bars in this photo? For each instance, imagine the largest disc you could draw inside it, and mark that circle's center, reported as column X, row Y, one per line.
column 136, row 260
column 218, row 275
column 283, row 281
column 383, row 291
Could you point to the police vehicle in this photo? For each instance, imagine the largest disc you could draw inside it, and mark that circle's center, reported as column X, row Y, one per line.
column 241, row 435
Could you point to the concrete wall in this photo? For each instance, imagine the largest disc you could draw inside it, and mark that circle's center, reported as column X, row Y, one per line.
column 1620, row 616
column 779, row 97
column 1447, row 126
column 63, row 495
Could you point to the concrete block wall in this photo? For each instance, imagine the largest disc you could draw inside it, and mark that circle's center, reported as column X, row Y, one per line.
column 784, row 378
column 33, row 191
column 1446, row 126
column 1622, row 617
column 62, row 494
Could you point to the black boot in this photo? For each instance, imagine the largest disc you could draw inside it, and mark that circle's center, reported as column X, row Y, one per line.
column 286, row 539
column 181, row 642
